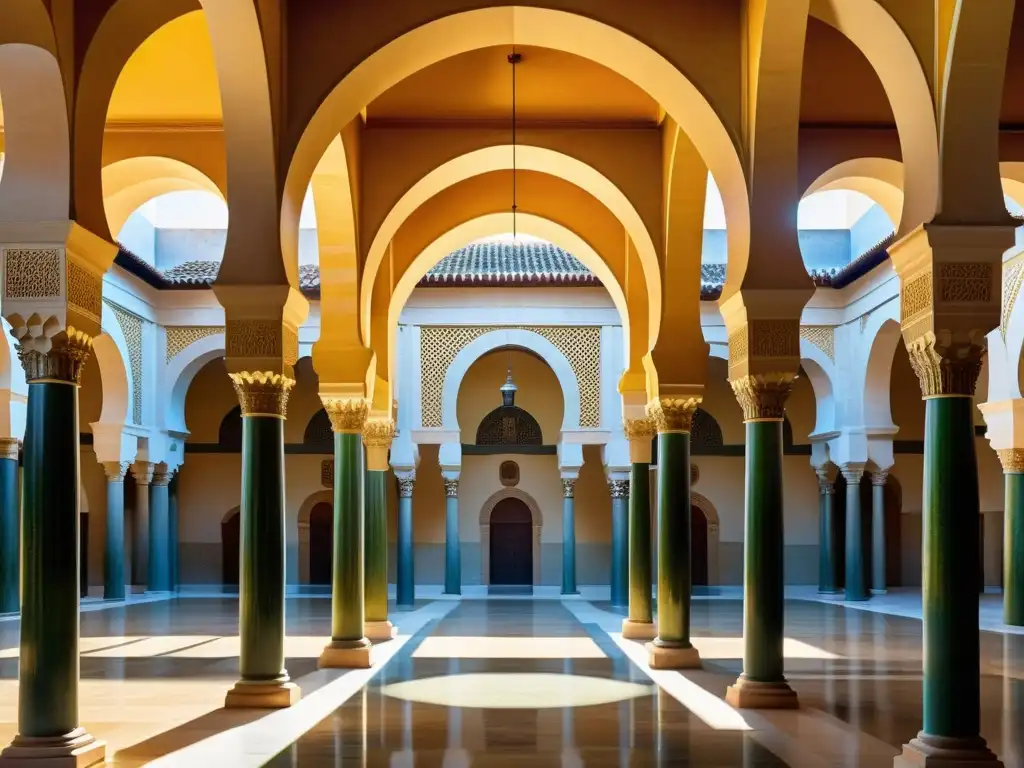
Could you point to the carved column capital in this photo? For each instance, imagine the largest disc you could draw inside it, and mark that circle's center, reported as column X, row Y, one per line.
column 852, row 472
column 161, row 478
column 262, row 393
column 640, row 433
column 347, row 414
column 142, row 471
column 763, row 396
column 1012, row 460
column 451, row 487
column 673, row 414
column 880, row 477
column 405, row 486
column 825, row 483
column 619, row 489
column 60, row 357
column 377, row 437
column 569, row 487
column 116, row 470
column 9, row 448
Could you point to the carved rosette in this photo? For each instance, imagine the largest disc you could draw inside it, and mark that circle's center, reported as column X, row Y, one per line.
column 1012, row 460
column 640, row 433
column 377, row 437
column 451, row 487
column 47, row 354
column 116, row 470
column 569, row 487
column 619, row 489
column 262, row 393
column 763, row 396
column 880, row 478
column 673, row 414
column 405, row 486
column 347, row 415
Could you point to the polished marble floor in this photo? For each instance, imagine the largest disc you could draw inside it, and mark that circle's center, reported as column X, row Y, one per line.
column 512, row 682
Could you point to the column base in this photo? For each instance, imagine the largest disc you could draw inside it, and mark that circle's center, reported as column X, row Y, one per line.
column 346, row 654
column 750, row 694
column 567, row 593
column 831, row 594
column 76, row 749
column 379, row 631
column 669, row 657
column 262, row 695
column 928, row 751
column 639, row 630
column 879, row 591
column 856, row 598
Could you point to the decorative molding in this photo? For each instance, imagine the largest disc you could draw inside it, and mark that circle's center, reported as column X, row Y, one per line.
column 116, row 470
column 1012, row 460
column 915, row 297
column 763, row 396
column 32, row 273
column 568, row 488
column 65, row 359
column 131, row 328
column 255, row 338
column 85, row 291
column 821, row 336
column 180, row 337
column 405, row 486
column 965, row 282
column 451, row 487
column 441, row 344
column 673, row 414
column 347, row 415
column 262, row 393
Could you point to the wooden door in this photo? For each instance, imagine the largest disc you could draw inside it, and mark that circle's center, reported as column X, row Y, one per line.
column 511, row 543
column 321, row 543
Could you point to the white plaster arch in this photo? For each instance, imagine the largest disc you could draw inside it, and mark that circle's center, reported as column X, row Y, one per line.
column 111, row 350
column 820, row 370
column 702, row 503
column 883, row 334
column 485, row 529
column 180, row 372
column 510, row 337
column 324, row 496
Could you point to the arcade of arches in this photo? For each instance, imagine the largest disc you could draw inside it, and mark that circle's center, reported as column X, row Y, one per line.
column 512, row 381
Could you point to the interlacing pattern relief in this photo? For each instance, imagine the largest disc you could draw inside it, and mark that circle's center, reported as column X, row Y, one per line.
column 131, row 328
column 182, row 336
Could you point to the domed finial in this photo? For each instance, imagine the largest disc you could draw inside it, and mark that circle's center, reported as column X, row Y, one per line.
column 508, row 390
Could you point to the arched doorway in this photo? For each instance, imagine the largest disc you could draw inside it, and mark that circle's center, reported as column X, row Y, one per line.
column 698, row 547
column 511, row 544
column 230, row 542
column 321, row 543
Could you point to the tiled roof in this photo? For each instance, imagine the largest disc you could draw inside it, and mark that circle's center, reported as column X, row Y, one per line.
column 498, row 263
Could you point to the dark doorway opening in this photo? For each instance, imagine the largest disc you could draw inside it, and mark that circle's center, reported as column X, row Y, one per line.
column 321, row 543
column 511, row 544
column 698, row 547
column 231, row 548
column 83, row 554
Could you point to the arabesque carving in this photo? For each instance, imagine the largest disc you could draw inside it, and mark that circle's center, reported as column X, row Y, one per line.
column 181, row 337
column 763, row 396
column 673, row 414
column 262, row 393
column 347, row 415
column 46, row 352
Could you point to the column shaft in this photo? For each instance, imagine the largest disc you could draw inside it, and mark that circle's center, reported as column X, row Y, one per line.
column 620, row 543
column 406, row 587
column 172, row 526
column 569, row 536
column 376, row 552
column 878, row 584
column 1013, row 546
column 640, row 543
column 140, row 529
column 347, row 575
column 159, row 578
column 10, row 513
column 452, row 556
column 674, row 555
column 856, row 578
column 113, row 555
column 828, row 560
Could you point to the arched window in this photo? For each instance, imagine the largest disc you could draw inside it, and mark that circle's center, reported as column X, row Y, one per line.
column 230, row 434
column 318, row 432
column 705, row 434
column 509, row 425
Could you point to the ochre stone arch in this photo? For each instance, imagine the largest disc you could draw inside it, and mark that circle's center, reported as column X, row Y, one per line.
column 485, row 529
column 711, row 515
column 879, row 178
column 325, row 496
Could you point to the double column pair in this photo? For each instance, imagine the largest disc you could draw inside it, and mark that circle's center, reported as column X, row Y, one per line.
column 670, row 647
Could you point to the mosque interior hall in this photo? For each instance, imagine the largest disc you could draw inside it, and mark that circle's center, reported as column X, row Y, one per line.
column 459, row 384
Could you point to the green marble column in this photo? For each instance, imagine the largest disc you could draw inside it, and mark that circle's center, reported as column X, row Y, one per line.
column 264, row 680
column 349, row 647
column 639, row 624
column 159, row 578
column 619, row 490
column 672, row 648
column 762, row 683
column 1013, row 537
column 172, row 525
column 377, row 436
column 452, row 555
column 406, row 571
column 828, row 557
column 48, row 724
column 950, row 557
column 10, row 526
column 113, row 554
column 855, row 583
column 878, row 480
column 569, row 536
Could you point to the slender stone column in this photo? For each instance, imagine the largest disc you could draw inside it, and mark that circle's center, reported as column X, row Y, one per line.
column 569, row 536
column 142, row 472
column 672, row 648
column 452, row 556
column 878, row 480
column 377, row 437
column 856, row 576
column 113, row 555
column 10, row 525
column 159, row 579
column 48, row 725
column 828, row 559
column 172, row 526
column 406, row 572
column 349, row 647
column 762, row 683
column 639, row 625
column 264, row 680
column 1013, row 537
column 619, row 490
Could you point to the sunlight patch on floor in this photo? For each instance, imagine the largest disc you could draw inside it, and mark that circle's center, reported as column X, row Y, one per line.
column 441, row 647
column 183, row 647
column 732, row 648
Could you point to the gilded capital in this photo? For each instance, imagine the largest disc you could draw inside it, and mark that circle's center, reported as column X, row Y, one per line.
column 377, row 437
column 348, row 415
column 640, row 433
column 673, row 414
column 116, row 470
column 619, row 489
column 9, row 447
column 569, row 487
column 262, row 393
column 405, row 486
column 60, row 357
column 451, row 487
column 945, row 370
column 763, row 396
column 1012, row 460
